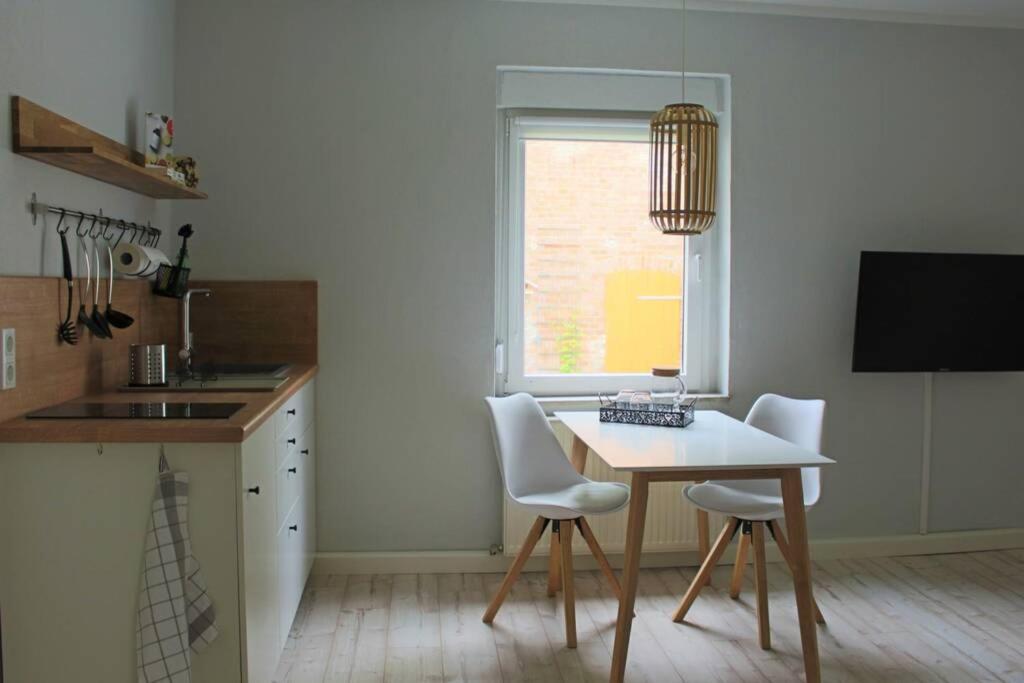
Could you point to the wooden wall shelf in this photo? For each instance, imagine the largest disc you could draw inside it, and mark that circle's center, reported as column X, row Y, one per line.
column 49, row 137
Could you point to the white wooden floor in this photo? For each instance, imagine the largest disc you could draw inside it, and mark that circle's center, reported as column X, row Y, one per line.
column 953, row 618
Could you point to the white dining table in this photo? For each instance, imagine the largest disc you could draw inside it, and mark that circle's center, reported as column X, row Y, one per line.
column 714, row 446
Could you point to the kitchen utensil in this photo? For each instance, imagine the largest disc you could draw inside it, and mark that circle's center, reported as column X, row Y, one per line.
column 83, row 316
column 115, row 317
column 172, row 281
column 97, row 317
column 66, row 330
column 147, row 365
column 184, row 232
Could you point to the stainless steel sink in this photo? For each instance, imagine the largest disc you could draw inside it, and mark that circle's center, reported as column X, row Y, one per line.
column 226, row 377
column 222, row 370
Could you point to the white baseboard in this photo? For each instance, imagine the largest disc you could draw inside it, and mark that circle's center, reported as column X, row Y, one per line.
column 471, row 561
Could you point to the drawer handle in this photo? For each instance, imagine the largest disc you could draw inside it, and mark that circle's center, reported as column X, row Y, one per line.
column 304, row 451
column 291, row 441
column 255, row 489
column 291, row 412
column 293, row 527
column 293, row 470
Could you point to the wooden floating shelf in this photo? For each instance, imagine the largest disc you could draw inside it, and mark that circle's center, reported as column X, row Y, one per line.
column 45, row 136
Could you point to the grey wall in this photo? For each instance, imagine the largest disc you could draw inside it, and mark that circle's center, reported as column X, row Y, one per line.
column 353, row 142
column 103, row 63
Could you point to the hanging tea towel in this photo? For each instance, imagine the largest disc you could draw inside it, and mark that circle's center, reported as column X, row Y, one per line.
column 176, row 615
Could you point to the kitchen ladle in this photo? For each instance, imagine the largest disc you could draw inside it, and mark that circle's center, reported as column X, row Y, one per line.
column 97, row 316
column 115, row 317
column 83, row 317
column 66, row 330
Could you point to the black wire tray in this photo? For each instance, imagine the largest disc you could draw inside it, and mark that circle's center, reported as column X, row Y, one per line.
column 655, row 414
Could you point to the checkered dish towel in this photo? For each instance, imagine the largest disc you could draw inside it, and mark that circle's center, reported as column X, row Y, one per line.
column 176, row 615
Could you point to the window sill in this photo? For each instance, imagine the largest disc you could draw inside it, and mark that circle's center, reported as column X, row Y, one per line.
column 553, row 403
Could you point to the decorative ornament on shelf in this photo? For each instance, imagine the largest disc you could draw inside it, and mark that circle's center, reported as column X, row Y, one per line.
column 684, row 166
column 188, row 168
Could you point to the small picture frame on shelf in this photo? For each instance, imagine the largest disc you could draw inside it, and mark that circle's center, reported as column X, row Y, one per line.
column 159, row 140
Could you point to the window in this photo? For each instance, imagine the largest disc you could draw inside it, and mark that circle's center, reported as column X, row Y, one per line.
column 591, row 295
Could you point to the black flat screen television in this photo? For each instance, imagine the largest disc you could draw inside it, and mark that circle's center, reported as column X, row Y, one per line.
column 921, row 312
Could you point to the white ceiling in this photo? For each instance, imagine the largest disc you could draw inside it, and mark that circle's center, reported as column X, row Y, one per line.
column 994, row 13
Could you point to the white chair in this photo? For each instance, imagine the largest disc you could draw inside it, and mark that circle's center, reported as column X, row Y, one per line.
column 538, row 476
column 751, row 505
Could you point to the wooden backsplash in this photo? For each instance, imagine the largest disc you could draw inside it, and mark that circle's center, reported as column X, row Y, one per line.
column 240, row 322
column 253, row 322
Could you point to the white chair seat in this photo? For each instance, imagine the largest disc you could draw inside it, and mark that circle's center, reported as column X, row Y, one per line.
column 724, row 498
column 589, row 498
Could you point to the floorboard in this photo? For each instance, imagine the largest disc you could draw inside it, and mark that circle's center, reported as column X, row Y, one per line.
column 937, row 618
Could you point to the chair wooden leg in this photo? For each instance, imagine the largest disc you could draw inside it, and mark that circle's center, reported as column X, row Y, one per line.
column 554, row 560
column 787, row 555
column 568, row 589
column 741, row 564
column 536, row 531
column 764, row 634
column 699, row 581
column 703, row 537
column 602, row 561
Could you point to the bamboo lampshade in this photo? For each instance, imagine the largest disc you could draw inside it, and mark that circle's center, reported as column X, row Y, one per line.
column 683, row 194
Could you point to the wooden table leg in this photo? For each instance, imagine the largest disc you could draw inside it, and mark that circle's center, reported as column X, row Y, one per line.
column 568, row 588
column 630, row 574
column 796, row 521
column 764, row 632
column 579, row 454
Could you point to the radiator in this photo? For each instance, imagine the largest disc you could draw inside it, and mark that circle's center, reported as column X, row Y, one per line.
column 671, row 522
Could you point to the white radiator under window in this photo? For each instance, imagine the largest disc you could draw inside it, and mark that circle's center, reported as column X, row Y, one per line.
column 671, row 523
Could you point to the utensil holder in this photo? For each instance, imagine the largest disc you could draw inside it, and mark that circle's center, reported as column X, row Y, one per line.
column 654, row 414
column 147, row 365
column 171, row 281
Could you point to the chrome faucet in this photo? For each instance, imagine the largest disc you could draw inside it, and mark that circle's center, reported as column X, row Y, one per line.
column 187, row 346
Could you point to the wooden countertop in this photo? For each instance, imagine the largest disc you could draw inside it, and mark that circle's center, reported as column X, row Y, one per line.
column 259, row 407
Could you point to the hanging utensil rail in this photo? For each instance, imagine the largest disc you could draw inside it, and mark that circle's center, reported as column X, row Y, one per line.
column 111, row 229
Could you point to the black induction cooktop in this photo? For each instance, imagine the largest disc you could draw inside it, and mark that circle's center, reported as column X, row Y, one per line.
column 138, row 411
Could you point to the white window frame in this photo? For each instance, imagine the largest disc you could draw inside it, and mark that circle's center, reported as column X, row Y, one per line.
column 706, row 270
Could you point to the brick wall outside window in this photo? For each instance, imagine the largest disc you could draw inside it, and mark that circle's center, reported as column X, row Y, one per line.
column 603, row 286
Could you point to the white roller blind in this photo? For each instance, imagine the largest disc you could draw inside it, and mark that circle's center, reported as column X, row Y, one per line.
column 602, row 89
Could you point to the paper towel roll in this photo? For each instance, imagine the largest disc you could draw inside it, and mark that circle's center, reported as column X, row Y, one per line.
column 131, row 259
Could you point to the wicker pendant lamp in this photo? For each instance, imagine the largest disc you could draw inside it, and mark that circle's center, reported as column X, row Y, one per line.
column 684, row 166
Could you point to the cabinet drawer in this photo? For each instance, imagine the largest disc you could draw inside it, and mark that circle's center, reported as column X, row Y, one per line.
column 288, row 444
column 297, row 410
column 290, row 478
column 291, row 567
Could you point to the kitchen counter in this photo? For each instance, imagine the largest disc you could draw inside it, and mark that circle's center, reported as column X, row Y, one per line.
column 259, row 407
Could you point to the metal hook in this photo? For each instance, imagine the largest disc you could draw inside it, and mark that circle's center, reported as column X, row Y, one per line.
column 59, row 222
column 120, row 236
column 82, row 233
column 95, row 232
column 107, row 229
column 79, row 226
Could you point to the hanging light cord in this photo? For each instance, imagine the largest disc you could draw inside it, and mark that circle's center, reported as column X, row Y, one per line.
column 682, row 40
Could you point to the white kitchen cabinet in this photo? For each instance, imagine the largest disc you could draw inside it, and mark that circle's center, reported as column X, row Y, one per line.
column 73, row 518
column 275, row 522
column 261, row 579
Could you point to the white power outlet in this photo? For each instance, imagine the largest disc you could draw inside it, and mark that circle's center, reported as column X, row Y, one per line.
column 10, row 371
